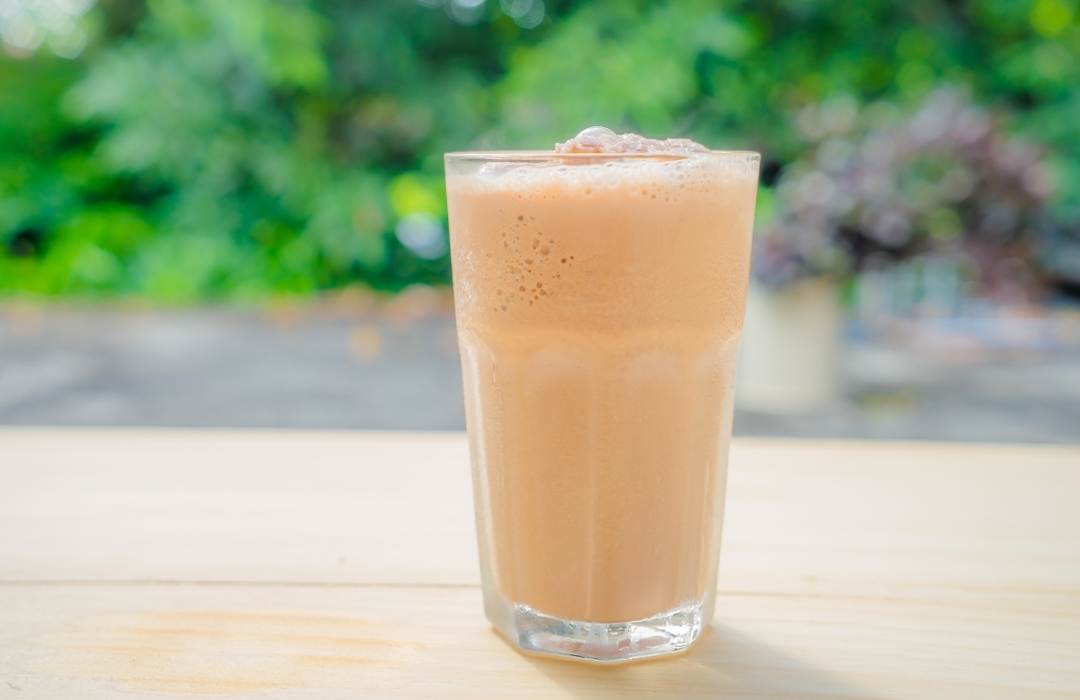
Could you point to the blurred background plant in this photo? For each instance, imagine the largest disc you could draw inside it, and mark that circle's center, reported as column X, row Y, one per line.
column 190, row 150
column 231, row 212
column 877, row 185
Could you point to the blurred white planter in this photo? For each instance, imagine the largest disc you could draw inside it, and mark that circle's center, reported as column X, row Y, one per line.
column 790, row 358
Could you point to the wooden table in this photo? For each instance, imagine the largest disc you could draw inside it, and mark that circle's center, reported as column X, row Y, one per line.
column 342, row 565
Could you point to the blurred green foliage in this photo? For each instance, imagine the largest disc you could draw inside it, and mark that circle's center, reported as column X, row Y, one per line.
column 201, row 149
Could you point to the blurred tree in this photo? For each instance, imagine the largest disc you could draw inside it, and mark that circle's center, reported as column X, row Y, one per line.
column 201, row 149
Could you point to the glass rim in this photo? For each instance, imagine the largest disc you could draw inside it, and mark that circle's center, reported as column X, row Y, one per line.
column 512, row 156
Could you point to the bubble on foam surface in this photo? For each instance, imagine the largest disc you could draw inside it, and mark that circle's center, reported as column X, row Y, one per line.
column 600, row 139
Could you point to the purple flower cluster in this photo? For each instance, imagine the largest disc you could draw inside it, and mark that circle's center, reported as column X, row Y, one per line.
column 877, row 185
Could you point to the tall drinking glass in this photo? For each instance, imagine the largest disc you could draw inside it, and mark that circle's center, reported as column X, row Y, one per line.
column 599, row 303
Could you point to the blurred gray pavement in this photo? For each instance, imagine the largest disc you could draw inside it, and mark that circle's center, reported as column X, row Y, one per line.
column 228, row 368
column 396, row 368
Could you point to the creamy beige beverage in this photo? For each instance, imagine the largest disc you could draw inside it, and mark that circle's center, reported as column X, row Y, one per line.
column 599, row 303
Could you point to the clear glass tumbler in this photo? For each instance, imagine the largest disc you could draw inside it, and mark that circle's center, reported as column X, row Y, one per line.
column 599, row 303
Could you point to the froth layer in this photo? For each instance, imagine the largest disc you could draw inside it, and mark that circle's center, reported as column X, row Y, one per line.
column 544, row 178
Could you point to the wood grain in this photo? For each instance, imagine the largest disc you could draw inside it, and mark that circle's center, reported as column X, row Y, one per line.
column 342, row 565
column 235, row 506
column 396, row 641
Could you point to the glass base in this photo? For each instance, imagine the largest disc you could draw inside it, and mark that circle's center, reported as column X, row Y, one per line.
column 533, row 632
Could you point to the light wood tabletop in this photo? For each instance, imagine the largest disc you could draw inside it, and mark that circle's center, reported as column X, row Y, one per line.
column 342, row 565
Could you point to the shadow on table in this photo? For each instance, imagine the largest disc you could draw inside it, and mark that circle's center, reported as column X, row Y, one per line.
column 724, row 663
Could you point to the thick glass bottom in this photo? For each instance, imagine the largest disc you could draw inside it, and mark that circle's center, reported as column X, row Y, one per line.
column 532, row 631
